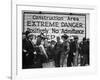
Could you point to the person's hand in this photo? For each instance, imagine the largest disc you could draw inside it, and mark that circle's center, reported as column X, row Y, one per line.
column 24, row 50
column 27, row 54
column 35, row 52
column 81, row 56
column 74, row 54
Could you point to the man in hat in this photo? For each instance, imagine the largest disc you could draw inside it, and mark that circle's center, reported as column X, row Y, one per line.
column 84, row 52
column 65, row 48
column 41, row 56
column 28, row 50
column 70, row 55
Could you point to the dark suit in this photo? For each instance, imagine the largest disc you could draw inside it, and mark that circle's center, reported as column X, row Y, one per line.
column 57, row 53
column 27, row 55
column 70, row 54
column 85, row 53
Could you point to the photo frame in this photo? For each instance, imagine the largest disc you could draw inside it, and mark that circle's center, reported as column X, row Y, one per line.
column 18, row 9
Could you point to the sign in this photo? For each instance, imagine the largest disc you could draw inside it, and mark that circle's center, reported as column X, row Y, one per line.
column 55, row 24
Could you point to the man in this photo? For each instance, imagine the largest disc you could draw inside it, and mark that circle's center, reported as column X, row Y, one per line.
column 24, row 51
column 88, row 51
column 65, row 48
column 57, row 52
column 28, row 50
column 70, row 55
column 51, row 50
column 41, row 55
column 75, row 50
column 84, row 46
column 23, row 35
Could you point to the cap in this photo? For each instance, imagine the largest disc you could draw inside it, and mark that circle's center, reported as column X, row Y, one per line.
column 65, row 36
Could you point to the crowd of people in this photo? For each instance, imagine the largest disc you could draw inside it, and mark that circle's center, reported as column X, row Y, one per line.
column 34, row 55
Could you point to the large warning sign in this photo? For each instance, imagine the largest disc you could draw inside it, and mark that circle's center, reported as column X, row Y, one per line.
column 54, row 24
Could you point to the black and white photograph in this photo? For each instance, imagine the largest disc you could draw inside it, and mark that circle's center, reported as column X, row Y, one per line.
column 52, row 41
column 55, row 39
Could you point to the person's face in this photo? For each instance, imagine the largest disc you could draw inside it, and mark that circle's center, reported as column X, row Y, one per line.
column 23, row 36
column 49, row 44
column 38, row 38
column 58, row 38
column 46, row 42
column 31, row 37
column 52, row 44
column 63, row 39
column 76, row 40
column 28, row 29
column 42, row 42
column 71, row 40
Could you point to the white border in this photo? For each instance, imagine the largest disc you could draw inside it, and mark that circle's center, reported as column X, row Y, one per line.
column 18, row 73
